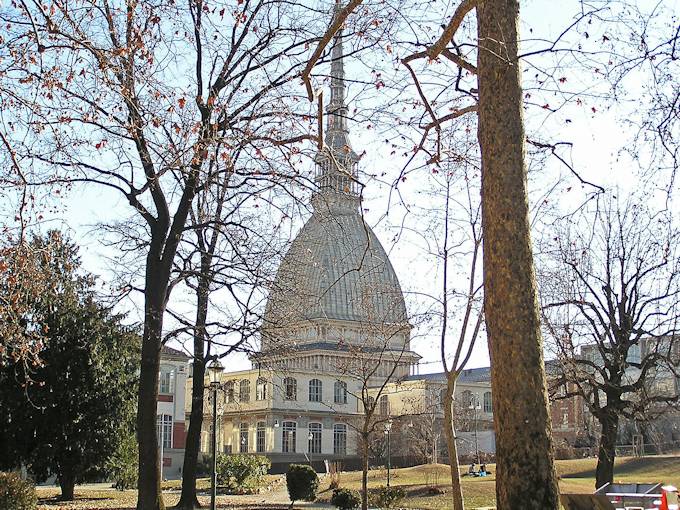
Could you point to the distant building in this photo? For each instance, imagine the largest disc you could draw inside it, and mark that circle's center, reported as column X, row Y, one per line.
column 170, row 410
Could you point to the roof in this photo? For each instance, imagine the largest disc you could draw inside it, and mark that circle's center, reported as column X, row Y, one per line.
column 470, row 375
column 170, row 353
column 337, row 269
column 339, row 347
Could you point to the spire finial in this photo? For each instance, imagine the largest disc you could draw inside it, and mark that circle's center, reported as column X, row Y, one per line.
column 337, row 109
column 337, row 162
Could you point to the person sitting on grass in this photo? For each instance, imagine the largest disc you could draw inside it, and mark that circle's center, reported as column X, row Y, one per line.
column 471, row 470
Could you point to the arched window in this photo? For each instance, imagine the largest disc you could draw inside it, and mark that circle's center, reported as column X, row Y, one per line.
column 487, row 402
column 243, row 438
column 340, row 439
column 244, row 390
column 340, row 392
column 260, row 437
column 315, row 390
column 230, row 392
column 314, row 438
column 289, row 437
column 290, row 388
column 384, row 405
column 261, row 389
column 370, row 404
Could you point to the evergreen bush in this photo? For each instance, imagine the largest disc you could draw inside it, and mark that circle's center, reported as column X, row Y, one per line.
column 302, row 482
column 346, row 499
column 15, row 493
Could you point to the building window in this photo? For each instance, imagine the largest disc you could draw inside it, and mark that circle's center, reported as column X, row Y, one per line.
column 164, row 430
column 340, row 392
column 261, row 389
column 384, row 406
column 260, row 439
column 468, row 402
column 340, row 439
column 487, row 402
column 290, row 388
column 289, row 434
column 230, row 392
column 244, row 391
column 243, row 438
column 370, row 405
column 315, row 390
column 314, row 438
column 166, row 381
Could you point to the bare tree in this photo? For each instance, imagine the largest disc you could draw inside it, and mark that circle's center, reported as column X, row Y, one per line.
column 471, row 320
column 611, row 305
column 374, row 365
column 512, row 316
column 136, row 98
column 230, row 254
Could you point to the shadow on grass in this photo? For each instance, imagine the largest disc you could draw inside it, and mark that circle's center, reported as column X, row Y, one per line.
column 642, row 466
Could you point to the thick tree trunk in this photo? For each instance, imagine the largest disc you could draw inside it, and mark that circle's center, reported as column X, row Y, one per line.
column 188, row 500
column 149, row 494
column 525, row 471
column 364, row 470
column 607, row 451
column 450, row 432
column 67, row 484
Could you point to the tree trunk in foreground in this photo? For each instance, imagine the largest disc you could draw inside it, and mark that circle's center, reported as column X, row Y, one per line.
column 450, row 431
column 525, row 474
column 364, row 470
column 188, row 500
column 149, row 495
column 67, row 484
column 606, row 453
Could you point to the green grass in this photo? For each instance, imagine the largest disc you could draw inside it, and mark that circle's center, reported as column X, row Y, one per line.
column 576, row 476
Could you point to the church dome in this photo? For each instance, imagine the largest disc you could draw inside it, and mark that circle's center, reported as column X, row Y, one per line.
column 336, row 269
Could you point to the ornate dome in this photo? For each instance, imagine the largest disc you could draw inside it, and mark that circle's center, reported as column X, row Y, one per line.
column 336, row 269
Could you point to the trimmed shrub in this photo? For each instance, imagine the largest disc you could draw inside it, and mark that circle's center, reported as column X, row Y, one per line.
column 346, row 499
column 15, row 493
column 387, row 497
column 302, row 482
column 241, row 473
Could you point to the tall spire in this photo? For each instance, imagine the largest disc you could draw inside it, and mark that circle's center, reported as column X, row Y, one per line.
column 337, row 162
column 337, row 110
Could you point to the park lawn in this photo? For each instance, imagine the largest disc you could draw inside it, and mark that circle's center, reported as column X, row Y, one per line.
column 576, row 476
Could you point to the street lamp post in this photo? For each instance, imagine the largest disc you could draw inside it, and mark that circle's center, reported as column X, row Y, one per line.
column 474, row 405
column 388, row 429
column 215, row 369
column 310, row 444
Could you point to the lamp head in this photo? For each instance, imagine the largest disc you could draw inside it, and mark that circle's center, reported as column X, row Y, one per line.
column 215, row 369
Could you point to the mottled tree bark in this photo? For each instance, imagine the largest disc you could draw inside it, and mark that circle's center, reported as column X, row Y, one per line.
column 606, row 452
column 450, row 432
column 525, row 476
